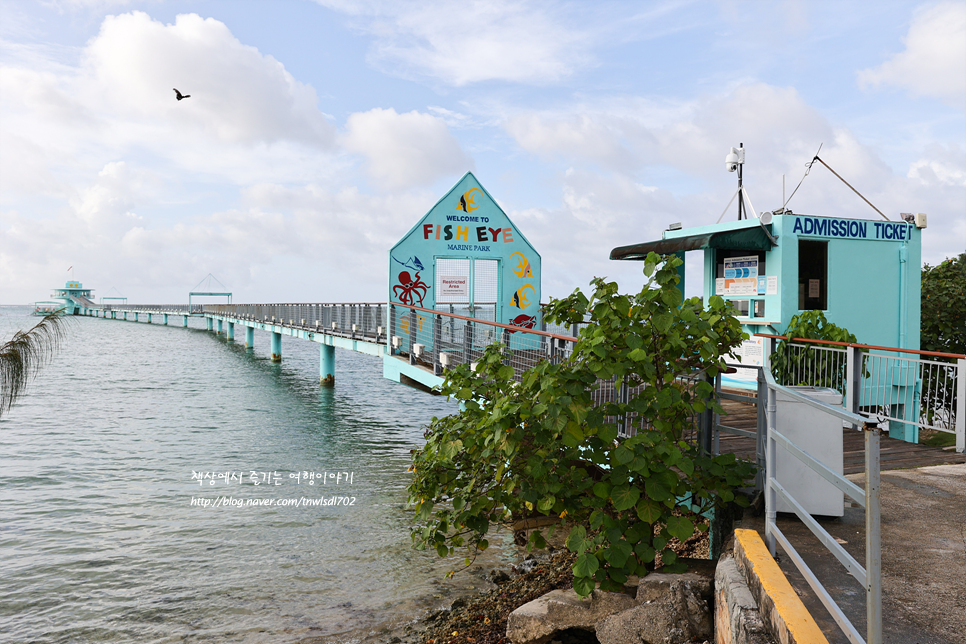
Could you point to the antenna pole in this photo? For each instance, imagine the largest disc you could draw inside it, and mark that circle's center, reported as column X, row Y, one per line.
column 741, row 197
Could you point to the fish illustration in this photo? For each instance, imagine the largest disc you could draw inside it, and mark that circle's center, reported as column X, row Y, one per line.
column 412, row 263
column 523, row 266
column 520, row 298
column 467, row 200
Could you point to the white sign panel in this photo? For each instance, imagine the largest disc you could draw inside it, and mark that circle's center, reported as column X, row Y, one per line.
column 454, row 286
column 750, row 352
column 772, row 285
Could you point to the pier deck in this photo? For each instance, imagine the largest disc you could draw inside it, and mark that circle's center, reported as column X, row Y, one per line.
column 895, row 454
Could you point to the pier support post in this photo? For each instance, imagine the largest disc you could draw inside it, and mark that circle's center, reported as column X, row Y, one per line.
column 184, row 321
column 220, row 326
column 231, row 332
column 165, row 319
column 327, row 365
column 209, row 324
column 137, row 316
column 276, row 347
column 249, row 337
column 150, row 318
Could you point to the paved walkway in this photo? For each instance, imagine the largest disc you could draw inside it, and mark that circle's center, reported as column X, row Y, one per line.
column 923, row 557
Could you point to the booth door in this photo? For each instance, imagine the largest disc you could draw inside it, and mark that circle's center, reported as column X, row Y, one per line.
column 468, row 287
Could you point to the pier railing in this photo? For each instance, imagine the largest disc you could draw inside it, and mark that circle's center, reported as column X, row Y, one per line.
column 906, row 387
column 440, row 340
column 361, row 320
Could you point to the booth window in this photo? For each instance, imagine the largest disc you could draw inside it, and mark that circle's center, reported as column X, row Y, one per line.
column 812, row 275
column 723, row 254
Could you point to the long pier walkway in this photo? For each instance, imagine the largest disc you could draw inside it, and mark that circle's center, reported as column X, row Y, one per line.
column 362, row 327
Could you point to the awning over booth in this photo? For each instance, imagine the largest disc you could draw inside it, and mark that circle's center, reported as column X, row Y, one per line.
column 756, row 238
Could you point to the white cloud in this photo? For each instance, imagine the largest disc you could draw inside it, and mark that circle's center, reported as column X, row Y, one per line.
column 237, row 93
column 470, row 42
column 934, row 61
column 603, row 139
column 944, row 166
column 247, row 116
column 404, row 150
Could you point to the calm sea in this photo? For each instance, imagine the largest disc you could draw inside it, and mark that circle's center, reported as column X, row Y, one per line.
column 103, row 533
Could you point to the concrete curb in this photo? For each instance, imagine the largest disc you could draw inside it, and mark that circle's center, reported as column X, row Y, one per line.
column 788, row 619
column 736, row 616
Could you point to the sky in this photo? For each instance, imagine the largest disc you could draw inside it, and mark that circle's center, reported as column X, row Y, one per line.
column 318, row 133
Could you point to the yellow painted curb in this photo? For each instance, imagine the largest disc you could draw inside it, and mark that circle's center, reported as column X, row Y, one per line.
column 787, row 607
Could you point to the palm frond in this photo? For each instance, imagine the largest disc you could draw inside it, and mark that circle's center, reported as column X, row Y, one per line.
column 23, row 356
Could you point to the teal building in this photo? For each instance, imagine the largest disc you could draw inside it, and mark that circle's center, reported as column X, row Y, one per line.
column 466, row 257
column 863, row 275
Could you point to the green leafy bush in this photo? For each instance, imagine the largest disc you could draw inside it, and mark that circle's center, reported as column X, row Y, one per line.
column 542, row 447
column 793, row 366
column 944, row 306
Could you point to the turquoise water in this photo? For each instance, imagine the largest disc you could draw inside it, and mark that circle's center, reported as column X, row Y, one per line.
column 100, row 539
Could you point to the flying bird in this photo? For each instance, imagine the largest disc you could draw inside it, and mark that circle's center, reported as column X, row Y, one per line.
column 180, row 95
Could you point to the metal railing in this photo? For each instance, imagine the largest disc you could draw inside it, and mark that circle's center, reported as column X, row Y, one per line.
column 176, row 309
column 869, row 576
column 357, row 320
column 439, row 340
column 922, row 389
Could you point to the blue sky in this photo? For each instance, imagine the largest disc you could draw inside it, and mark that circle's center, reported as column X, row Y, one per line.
column 319, row 132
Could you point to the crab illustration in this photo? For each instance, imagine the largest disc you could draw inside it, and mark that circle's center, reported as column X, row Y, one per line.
column 410, row 290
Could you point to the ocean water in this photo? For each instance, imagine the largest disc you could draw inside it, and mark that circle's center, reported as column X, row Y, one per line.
column 104, row 532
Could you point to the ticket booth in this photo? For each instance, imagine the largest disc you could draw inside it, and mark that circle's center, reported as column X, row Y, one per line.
column 864, row 275
column 464, row 257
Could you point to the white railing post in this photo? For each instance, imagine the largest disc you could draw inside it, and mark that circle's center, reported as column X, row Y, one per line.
column 853, row 379
column 771, row 473
column 873, row 553
column 961, row 405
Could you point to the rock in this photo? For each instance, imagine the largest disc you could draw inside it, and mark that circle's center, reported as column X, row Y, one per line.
column 558, row 610
column 673, row 609
column 657, row 584
column 527, row 565
column 499, row 577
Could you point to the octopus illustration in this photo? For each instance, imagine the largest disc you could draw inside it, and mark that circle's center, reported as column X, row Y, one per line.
column 410, row 290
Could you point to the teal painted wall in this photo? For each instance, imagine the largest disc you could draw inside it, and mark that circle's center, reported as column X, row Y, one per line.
column 464, row 226
column 873, row 283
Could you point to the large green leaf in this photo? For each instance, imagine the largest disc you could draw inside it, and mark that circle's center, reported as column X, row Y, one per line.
column 624, row 497
column 648, row 511
column 586, row 565
column 680, row 527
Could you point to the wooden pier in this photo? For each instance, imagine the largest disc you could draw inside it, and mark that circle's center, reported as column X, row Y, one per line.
column 894, row 454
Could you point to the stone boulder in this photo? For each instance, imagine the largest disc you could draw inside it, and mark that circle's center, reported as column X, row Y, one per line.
column 672, row 610
column 537, row 621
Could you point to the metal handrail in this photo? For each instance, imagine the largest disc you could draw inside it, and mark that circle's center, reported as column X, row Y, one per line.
column 869, row 576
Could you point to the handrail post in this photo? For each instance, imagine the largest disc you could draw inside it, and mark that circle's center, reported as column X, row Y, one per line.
column 391, row 329
column 761, row 429
column 771, row 466
column 961, row 405
column 705, row 421
column 873, row 553
column 853, row 379
column 467, row 342
column 412, row 335
column 437, row 339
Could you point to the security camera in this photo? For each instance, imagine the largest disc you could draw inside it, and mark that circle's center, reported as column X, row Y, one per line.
column 736, row 158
